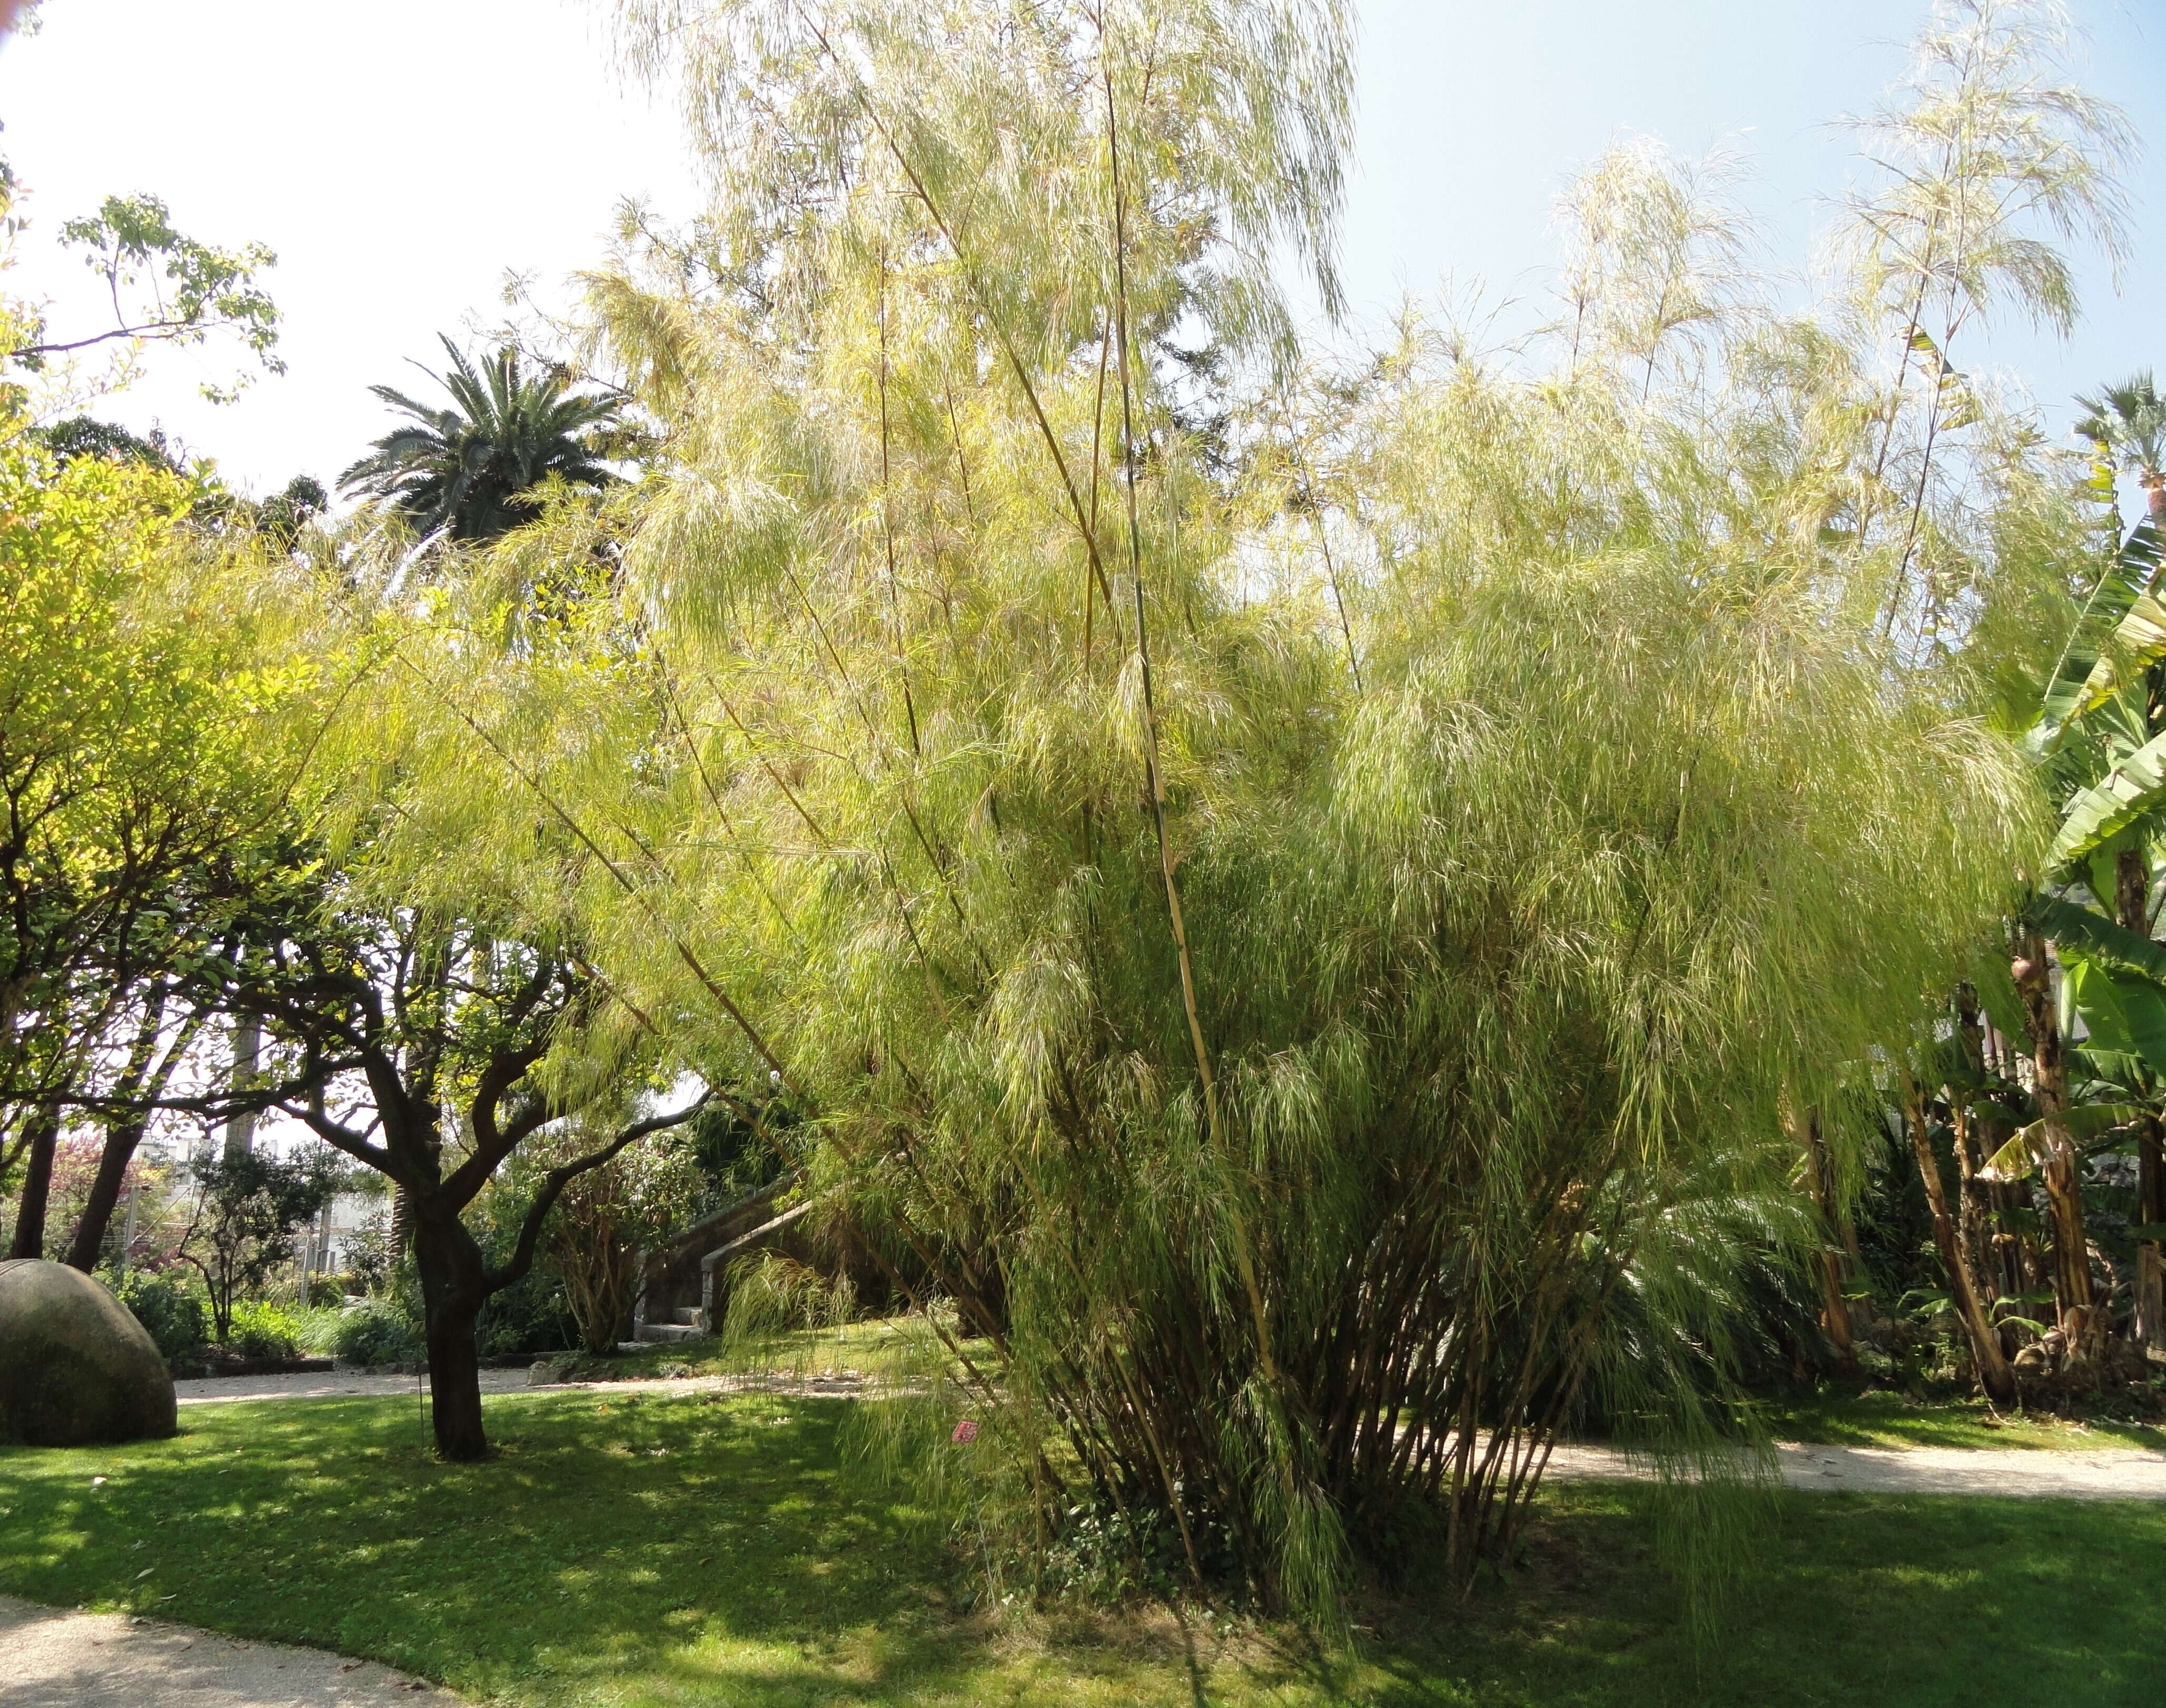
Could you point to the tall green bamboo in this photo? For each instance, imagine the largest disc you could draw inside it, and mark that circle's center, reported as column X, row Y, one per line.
column 1293, row 1098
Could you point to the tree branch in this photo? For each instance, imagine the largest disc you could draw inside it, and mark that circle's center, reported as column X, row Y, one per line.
column 149, row 328
column 553, row 1184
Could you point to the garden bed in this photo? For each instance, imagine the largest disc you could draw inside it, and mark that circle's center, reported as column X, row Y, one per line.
column 198, row 1369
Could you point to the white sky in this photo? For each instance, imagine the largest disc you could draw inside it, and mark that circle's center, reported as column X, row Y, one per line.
column 400, row 156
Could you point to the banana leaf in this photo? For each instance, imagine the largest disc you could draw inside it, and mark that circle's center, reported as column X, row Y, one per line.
column 2022, row 1154
column 2139, row 642
column 2091, row 933
column 2128, row 791
column 2124, row 1012
column 2128, row 575
column 2123, row 1068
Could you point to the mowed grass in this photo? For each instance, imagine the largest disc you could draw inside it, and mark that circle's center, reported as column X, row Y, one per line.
column 1879, row 1418
column 876, row 1348
column 635, row 1549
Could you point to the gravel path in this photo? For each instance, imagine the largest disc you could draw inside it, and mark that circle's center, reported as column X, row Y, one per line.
column 338, row 1384
column 2106, row 1474
column 57, row 1660
column 213, row 1390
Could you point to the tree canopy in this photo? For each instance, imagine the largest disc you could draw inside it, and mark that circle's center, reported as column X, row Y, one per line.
column 472, row 470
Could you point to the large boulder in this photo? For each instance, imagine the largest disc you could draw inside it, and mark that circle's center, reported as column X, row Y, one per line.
column 75, row 1365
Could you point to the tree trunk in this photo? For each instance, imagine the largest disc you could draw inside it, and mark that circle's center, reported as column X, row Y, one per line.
column 30, row 1240
column 247, row 1059
column 2080, row 1320
column 123, row 1134
column 1827, row 1261
column 1995, row 1374
column 2132, row 900
column 454, row 1287
column 120, row 1143
column 1977, row 1201
column 2151, row 1254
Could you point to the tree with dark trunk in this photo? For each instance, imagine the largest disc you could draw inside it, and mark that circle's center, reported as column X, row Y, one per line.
column 415, row 1045
column 152, row 1057
column 40, row 1141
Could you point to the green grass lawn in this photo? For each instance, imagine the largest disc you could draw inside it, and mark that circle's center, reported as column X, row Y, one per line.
column 881, row 1348
column 875, row 1348
column 639, row 1549
column 1878, row 1418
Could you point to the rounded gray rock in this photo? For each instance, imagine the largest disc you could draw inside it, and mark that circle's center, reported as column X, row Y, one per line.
column 75, row 1365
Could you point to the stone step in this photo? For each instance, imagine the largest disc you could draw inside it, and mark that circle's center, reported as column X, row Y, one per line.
column 689, row 1315
column 667, row 1333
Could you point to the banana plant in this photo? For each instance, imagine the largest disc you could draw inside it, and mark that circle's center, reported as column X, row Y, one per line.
column 2101, row 735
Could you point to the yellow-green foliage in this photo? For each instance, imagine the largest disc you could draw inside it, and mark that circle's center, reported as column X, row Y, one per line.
column 1527, row 760
column 138, row 696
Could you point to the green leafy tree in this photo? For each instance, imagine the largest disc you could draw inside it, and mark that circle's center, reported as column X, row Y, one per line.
column 248, row 1207
column 85, row 435
column 430, row 1047
column 474, row 470
column 165, row 287
column 137, row 758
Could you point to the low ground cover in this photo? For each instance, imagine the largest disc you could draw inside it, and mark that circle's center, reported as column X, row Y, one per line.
column 644, row 1549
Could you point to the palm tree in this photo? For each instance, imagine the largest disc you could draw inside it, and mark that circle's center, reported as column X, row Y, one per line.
column 2128, row 423
column 469, row 470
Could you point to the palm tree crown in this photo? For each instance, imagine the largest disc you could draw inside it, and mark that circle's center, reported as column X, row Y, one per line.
column 469, row 469
column 2128, row 423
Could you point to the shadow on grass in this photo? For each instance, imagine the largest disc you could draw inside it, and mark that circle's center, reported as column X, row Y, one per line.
column 642, row 1535
column 1925, row 1601
column 651, row 1550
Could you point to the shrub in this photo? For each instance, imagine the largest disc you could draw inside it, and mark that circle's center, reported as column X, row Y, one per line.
column 170, row 1309
column 376, row 1333
column 529, row 1316
column 262, row 1330
column 317, row 1330
column 329, row 1292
